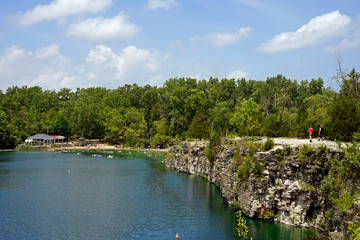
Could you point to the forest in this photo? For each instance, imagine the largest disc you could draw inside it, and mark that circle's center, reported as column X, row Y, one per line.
column 184, row 108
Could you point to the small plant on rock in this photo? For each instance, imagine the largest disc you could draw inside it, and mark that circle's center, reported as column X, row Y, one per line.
column 269, row 144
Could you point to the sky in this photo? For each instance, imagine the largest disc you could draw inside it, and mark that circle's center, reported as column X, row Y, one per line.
column 73, row 44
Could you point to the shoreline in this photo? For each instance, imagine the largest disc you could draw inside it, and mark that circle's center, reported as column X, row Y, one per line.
column 96, row 148
column 108, row 147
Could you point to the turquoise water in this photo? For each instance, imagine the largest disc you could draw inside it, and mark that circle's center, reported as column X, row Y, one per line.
column 47, row 195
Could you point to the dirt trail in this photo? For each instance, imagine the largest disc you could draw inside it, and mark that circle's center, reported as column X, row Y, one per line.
column 294, row 142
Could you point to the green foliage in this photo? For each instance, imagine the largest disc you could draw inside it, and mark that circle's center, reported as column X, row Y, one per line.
column 269, row 214
column 247, row 118
column 269, row 144
column 288, row 150
column 188, row 107
column 307, row 187
column 354, row 230
column 200, row 126
column 247, row 164
column 60, row 126
column 301, row 123
column 340, row 185
column 242, row 228
column 213, row 147
column 161, row 136
column 345, row 199
column 279, row 156
column 275, row 125
column 24, row 147
column 244, row 166
column 258, row 167
column 344, row 117
column 307, row 154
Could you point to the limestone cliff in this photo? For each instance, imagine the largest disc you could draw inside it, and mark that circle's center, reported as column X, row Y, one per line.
column 283, row 184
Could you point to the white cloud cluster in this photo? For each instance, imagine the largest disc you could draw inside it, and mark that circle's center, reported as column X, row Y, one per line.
column 96, row 29
column 237, row 74
column 40, row 67
column 60, row 9
column 48, row 68
column 132, row 61
column 156, row 4
column 219, row 40
column 100, row 29
column 318, row 30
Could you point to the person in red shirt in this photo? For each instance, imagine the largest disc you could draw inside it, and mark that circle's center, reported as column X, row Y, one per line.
column 310, row 132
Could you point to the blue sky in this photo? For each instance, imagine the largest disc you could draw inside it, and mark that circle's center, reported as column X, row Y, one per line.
column 109, row 43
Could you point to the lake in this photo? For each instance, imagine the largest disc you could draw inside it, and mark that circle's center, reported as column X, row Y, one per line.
column 47, row 195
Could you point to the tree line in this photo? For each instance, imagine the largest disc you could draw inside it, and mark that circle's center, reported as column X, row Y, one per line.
column 183, row 108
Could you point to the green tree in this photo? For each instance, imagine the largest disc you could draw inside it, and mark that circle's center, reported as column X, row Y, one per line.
column 115, row 124
column 344, row 114
column 9, row 136
column 160, row 134
column 247, row 117
column 301, row 120
column 60, row 126
column 200, row 126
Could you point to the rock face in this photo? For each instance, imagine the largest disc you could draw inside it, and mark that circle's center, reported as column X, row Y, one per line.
column 282, row 184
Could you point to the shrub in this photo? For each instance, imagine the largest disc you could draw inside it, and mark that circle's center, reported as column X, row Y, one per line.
column 213, row 147
column 24, row 147
column 269, row 214
column 354, row 230
column 269, row 144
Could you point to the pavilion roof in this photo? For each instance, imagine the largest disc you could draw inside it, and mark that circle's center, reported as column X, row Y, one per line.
column 41, row 137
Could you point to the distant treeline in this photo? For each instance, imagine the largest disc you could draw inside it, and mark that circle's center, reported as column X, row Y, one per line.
column 183, row 108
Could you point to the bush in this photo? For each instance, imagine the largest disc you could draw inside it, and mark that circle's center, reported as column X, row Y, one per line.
column 269, row 144
column 24, row 147
column 213, row 147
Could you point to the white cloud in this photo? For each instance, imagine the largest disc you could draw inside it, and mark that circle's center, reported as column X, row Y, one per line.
column 221, row 39
column 58, row 80
column 13, row 54
column 237, row 74
column 48, row 68
column 45, row 67
column 46, row 52
column 131, row 62
column 344, row 46
column 317, row 30
column 60, row 9
column 156, row 4
column 99, row 29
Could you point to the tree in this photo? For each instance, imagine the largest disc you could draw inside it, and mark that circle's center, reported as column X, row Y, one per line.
column 247, row 117
column 9, row 136
column 115, row 124
column 344, row 115
column 60, row 125
column 220, row 116
column 200, row 126
column 275, row 126
column 160, row 133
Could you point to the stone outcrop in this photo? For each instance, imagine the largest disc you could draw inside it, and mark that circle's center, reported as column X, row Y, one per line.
column 282, row 184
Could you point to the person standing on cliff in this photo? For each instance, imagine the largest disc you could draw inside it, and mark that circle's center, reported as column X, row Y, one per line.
column 321, row 133
column 310, row 132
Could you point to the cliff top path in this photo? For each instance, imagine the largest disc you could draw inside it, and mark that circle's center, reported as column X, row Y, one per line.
column 296, row 142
